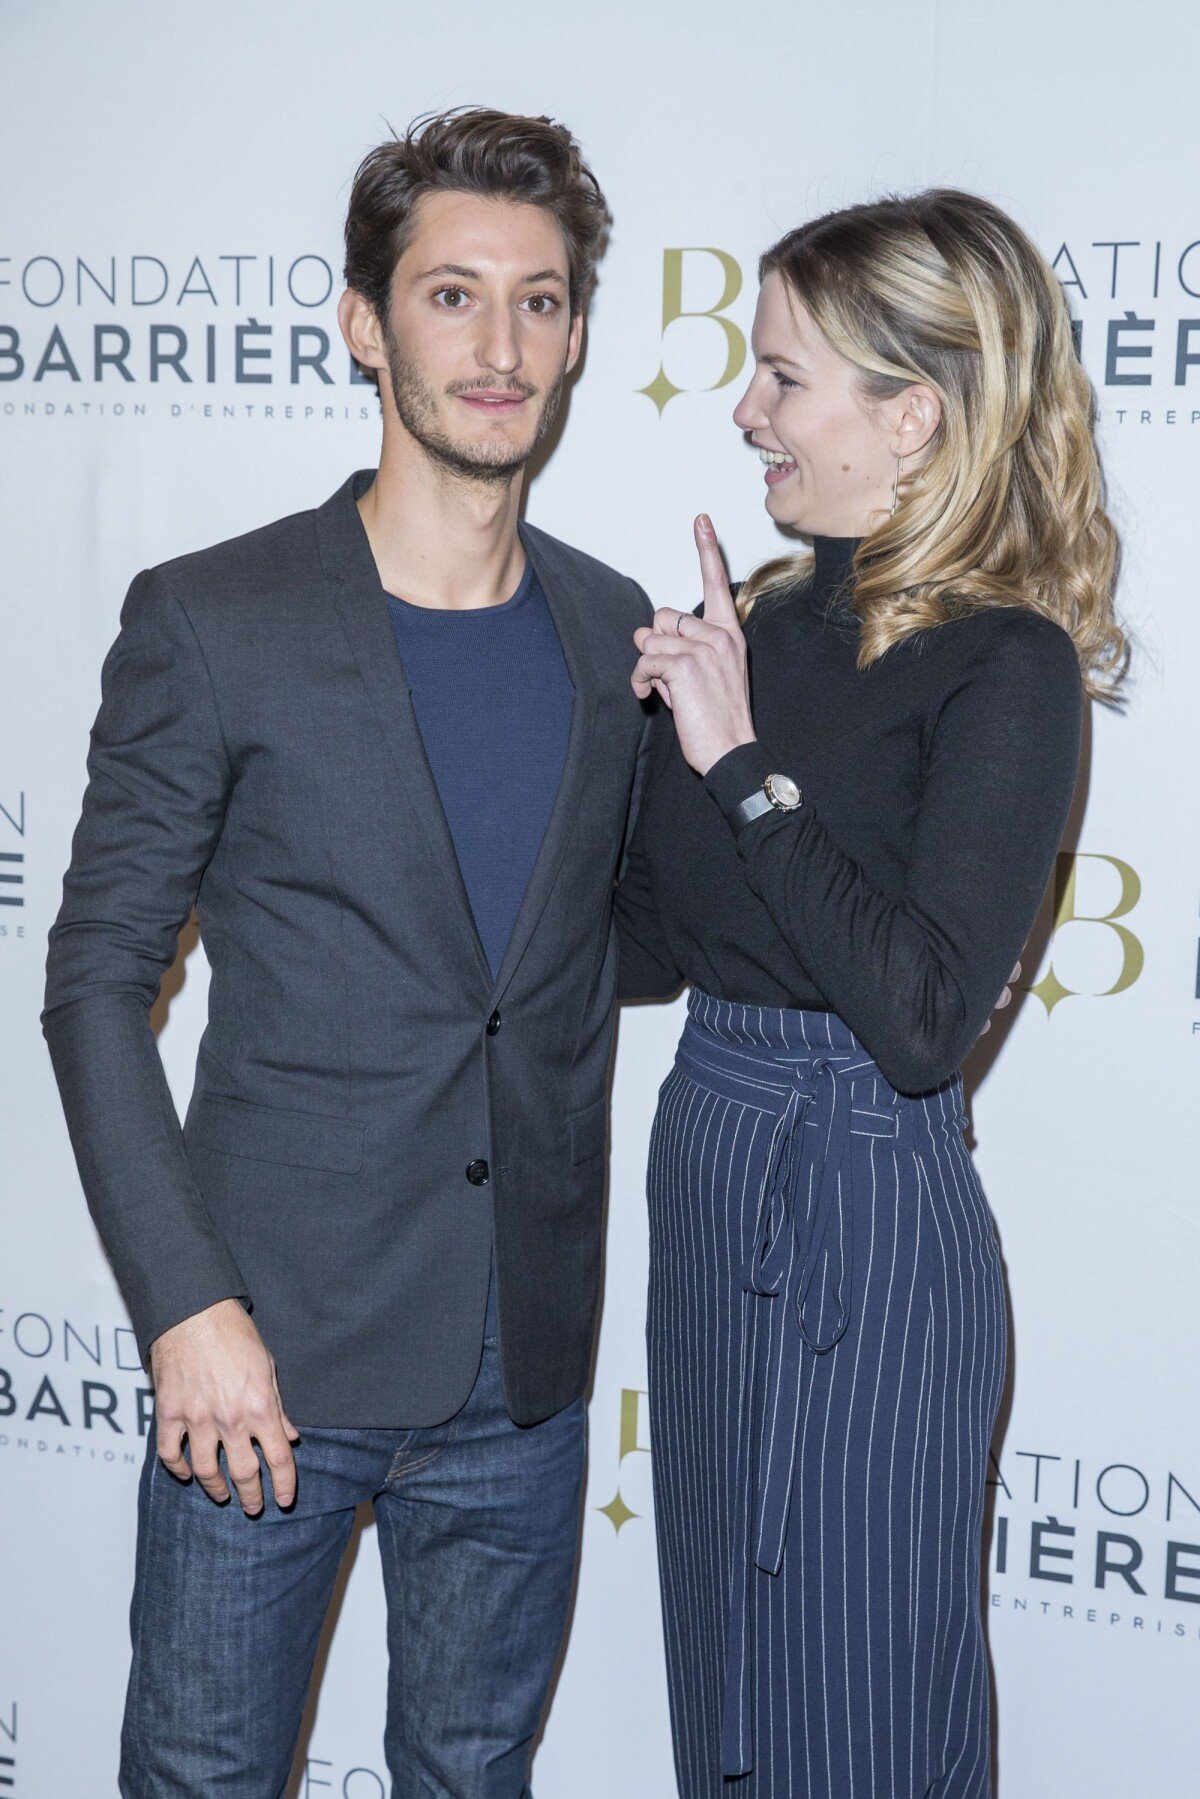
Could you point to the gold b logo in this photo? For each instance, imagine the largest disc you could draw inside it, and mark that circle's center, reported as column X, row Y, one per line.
column 662, row 388
column 1050, row 989
column 616, row 1511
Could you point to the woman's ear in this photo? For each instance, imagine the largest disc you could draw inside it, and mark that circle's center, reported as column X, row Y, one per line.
column 916, row 415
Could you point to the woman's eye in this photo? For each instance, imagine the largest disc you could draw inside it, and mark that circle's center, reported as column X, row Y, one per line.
column 783, row 379
column 450, row 296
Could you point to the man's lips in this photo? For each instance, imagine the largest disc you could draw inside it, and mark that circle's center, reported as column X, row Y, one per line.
column 484, row 400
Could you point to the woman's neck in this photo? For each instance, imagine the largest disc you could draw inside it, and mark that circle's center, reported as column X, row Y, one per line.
column 832, row 576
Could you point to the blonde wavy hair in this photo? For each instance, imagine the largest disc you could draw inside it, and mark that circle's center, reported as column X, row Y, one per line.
column 1007, row 508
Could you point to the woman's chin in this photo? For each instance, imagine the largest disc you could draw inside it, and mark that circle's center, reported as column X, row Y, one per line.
column 786, row 512
column 791, row 513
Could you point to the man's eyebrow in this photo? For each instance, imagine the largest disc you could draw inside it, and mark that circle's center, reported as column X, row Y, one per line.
column 456, row 269
column 450, row 268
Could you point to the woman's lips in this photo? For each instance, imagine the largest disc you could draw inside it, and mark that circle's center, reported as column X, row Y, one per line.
column 775, row 475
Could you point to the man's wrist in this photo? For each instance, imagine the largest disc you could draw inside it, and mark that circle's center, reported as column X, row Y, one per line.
column 173, row 1318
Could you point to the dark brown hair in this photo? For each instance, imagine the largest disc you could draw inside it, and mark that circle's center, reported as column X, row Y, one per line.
column 471, row 150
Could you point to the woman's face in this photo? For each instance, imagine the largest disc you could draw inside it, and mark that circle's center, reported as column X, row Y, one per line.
column 833, row 455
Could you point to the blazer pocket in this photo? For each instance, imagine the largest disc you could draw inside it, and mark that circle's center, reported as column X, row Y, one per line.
column 264, row 1134
column 588, row 1130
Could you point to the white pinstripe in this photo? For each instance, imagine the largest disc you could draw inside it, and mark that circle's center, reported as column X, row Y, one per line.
column 925, row 1341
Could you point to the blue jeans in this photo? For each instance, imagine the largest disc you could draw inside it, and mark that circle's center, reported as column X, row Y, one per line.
column 478, row 1527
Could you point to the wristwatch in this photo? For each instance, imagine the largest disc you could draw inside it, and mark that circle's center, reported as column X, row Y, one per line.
column 778, row 792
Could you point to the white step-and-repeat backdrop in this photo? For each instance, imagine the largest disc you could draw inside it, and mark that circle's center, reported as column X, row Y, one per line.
column 170, row 373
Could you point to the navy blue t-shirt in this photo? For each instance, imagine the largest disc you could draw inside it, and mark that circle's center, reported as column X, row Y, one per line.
column 493, row 700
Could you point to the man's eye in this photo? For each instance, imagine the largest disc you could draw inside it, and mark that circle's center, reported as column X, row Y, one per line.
column 450, row 296
column 542, row 303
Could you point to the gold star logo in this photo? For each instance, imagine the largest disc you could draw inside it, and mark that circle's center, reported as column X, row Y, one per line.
column 1050, row 990
column 617, row 1512
column 660, row 390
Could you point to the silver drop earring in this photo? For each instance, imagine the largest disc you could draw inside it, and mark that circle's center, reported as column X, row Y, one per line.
column 896, row 487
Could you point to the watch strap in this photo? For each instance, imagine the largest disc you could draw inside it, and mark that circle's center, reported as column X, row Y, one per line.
column 747, row 810
column 739, row 774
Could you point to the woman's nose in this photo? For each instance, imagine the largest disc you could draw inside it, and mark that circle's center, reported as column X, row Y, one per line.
column 748, row 414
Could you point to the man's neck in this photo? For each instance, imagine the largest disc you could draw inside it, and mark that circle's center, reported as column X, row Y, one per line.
column 438, row 539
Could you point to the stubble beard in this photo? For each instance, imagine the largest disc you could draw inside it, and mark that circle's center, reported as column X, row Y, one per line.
column 490, row 465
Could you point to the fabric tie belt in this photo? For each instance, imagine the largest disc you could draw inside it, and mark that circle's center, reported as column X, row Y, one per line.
column 802, row 1259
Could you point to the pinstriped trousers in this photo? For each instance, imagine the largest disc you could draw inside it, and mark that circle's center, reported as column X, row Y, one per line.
column 826, row 1336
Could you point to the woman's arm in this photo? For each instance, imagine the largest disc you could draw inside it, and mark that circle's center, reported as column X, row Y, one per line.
column 916, row 975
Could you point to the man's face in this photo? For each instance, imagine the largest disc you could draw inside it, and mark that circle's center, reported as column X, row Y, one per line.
column 479, row 336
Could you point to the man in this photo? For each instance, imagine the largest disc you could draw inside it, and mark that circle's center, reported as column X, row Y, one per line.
column 387, row 749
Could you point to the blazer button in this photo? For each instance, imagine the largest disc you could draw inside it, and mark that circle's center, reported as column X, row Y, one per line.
column 477, row 1173
column 493, row 1024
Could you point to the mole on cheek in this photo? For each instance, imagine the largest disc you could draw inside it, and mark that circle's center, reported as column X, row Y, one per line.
column 845, row 468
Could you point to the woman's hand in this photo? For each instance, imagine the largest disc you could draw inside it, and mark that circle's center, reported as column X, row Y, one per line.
column 699, row 665
column 1005, row 997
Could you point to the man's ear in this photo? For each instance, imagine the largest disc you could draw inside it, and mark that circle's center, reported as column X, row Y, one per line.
column 362, row 330
column 574, row 341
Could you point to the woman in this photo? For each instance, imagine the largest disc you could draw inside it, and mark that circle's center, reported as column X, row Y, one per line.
column 843, row 858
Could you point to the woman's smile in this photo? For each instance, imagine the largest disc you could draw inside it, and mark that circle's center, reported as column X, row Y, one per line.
column 779, row 465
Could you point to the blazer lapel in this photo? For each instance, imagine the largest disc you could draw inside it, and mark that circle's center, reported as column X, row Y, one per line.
column 567, row 609
column 349, row 568
column 353, row 579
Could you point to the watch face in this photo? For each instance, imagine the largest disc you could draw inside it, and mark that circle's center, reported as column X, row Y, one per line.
column 784, row 791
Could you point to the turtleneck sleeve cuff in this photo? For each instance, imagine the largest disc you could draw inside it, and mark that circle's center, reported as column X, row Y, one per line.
column 736, row 775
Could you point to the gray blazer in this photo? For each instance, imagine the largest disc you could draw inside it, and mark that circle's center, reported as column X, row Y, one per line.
column 256, row 755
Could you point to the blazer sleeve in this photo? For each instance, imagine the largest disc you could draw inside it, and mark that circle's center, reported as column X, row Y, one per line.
column 646, row 968
column 159, row 782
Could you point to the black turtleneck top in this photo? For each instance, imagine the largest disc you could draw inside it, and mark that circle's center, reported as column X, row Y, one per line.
column 936, row 785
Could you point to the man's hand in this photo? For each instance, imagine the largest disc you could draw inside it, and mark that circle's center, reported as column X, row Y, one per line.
column 214, row 1383
column 698, row 666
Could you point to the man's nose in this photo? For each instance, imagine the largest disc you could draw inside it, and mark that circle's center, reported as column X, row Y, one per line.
column 499, row 347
